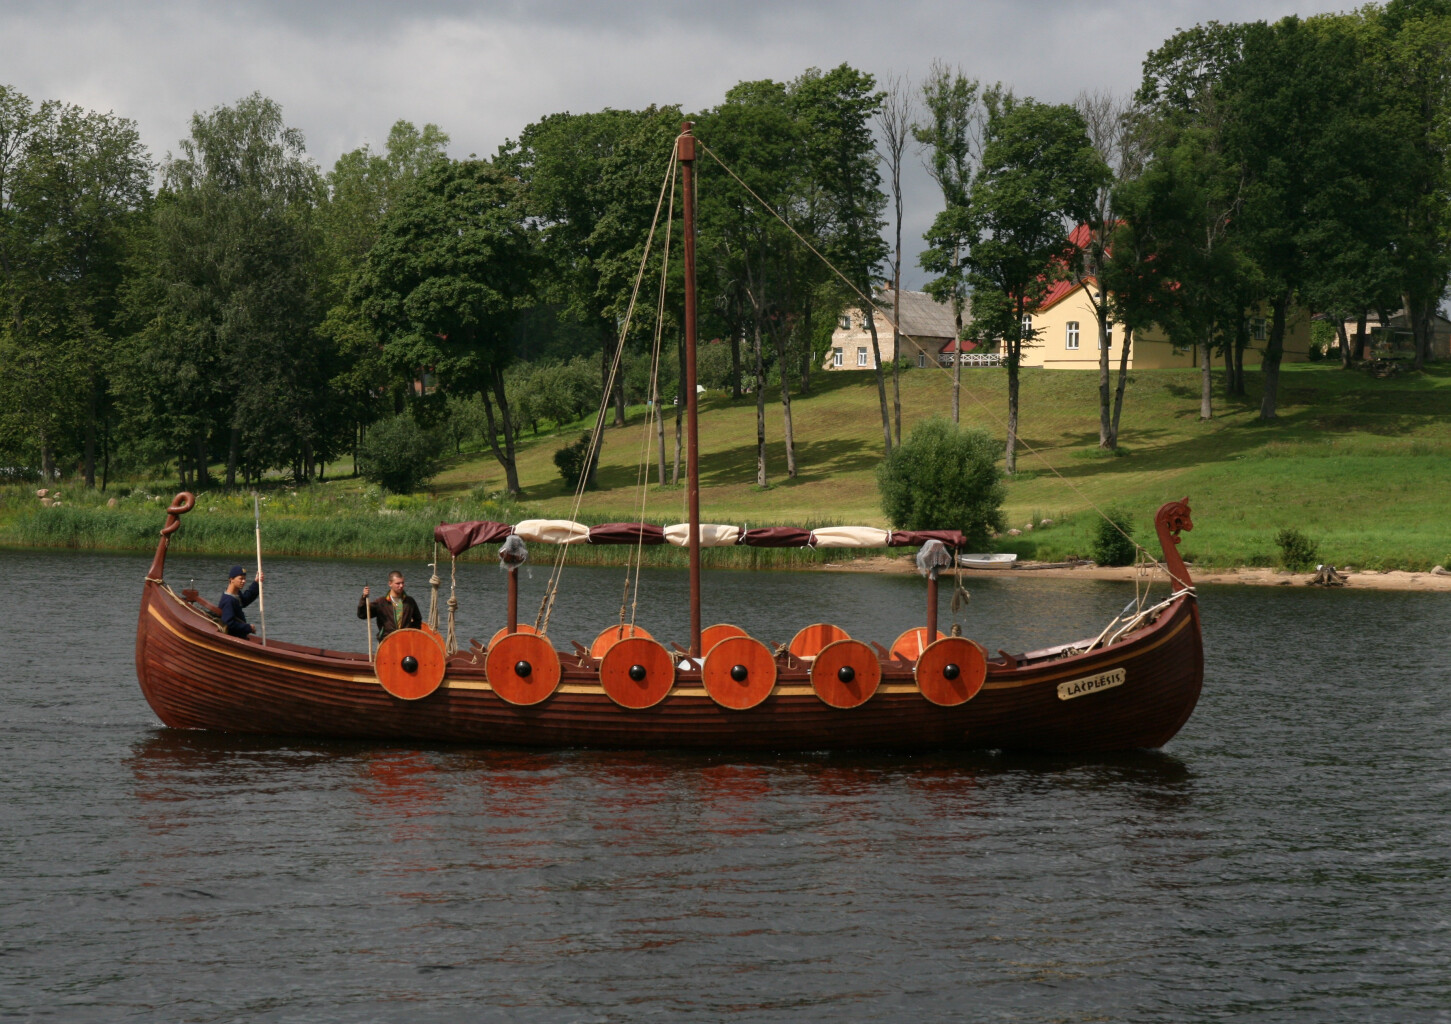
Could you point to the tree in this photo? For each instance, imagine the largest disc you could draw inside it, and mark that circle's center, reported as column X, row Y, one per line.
column 837, row 107
column 446, row 281
column 944, row 477
column 1038, row 177
column 953, row 137
column 894, row 119
column 224, row 301
column 398, row 455
column 72, row 184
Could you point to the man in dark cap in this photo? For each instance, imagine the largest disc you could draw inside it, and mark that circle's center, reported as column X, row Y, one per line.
column 239, row 594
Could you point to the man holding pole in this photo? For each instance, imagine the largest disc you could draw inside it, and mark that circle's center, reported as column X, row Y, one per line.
column 239, row 594
column 394, row 610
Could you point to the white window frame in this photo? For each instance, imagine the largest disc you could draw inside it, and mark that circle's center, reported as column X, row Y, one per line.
column 1027, row 326
column 1070, row 335
column 844, row 321
column 1259, row 328
column 921, row 361
column 836, row 357
column 861, row 356
column 1106, row 339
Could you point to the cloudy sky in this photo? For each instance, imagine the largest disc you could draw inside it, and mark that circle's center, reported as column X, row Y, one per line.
column 345, row 71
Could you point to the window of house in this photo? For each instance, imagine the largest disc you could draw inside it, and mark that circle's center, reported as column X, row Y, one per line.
column 921, row 360
column 1027, row 327
column 836, row 359
column 1106, row 340
column 1072, row 336
column 1257, row 329
column 861, row 357
column 845, row 321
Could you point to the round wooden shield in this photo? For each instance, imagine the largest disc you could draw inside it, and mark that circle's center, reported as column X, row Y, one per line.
column 522, row 668
column 909, row 645
column 809, row 642
column 523, row 628
column 739, row 672
column 712, row 635
column 951, row 671
column 409, row 663
column 637, row 672
column 846, row 673
column 613, row 635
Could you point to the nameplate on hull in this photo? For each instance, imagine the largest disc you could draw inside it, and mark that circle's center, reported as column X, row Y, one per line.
column 1090, row 684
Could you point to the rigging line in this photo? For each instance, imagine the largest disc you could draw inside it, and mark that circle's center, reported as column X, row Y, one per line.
column 546, row 604
column 634, row 561
column 896, row 326
column 655, row 391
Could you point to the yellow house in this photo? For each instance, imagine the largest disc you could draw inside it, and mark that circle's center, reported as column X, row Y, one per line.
column 1066, row 335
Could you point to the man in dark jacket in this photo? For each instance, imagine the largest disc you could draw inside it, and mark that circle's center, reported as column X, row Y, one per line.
column 394, row 610
column 239, row 594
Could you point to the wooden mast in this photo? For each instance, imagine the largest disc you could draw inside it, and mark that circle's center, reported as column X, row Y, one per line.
column 686, row 152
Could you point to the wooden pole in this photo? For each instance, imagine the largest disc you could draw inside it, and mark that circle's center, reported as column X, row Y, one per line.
column 931, row 636
column 686, row 151
column 513, row 599
column 261, row 601
column 368, row 625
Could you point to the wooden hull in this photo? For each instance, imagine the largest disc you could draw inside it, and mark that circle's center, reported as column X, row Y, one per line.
column 195, row 677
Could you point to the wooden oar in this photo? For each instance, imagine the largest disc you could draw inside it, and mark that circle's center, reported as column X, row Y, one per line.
column 261, row 601
column 368, row 626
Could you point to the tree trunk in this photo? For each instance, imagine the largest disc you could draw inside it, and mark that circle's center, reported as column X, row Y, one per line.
column 1123, row 377
column 1105, row 427
column 47, row 459
column 760, row 411
column 89, row 465
column 735, row 364
column 202, row 480
column 897, row 353
column 660, row 435
column 1241, row 342
column 1206, row 377
column 1015, row 353
column 780, row 338
column 105, row 452
column 234, row 441
column 506, row 456
column 1359, row 352
column 881, row 382
column 1344, row 338
column 1274, row 352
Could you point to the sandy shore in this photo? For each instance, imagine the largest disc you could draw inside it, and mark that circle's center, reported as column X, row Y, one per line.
column 1394, row 580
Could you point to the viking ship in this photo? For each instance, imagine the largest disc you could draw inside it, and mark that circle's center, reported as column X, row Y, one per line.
column 1132, row 686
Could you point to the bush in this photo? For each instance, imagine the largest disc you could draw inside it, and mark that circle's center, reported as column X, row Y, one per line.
column 1113, row 538
column 570, row 460
column 1297, row 551
column 398, row 455
column 944, row 478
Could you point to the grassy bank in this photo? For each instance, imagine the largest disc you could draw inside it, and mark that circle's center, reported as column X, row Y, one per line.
column 1359, row 465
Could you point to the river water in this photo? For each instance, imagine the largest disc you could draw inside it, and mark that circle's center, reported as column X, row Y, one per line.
column 1285, row 858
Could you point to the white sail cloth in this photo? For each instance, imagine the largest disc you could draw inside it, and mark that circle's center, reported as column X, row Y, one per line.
column 552, row 531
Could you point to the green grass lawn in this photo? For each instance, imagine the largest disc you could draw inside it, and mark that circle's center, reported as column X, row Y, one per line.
column 1360, row 465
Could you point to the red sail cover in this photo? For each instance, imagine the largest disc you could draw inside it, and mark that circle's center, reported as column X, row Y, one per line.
column 627, row 533
column 912, row 538
column 459, row 537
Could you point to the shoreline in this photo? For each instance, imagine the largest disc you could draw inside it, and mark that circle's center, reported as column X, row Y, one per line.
column 1390, row 579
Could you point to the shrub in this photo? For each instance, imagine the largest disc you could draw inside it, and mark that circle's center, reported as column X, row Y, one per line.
column 570, row 460
column 1113, row 538
column 944, row 478
column 1297, row 551
column 398, row 455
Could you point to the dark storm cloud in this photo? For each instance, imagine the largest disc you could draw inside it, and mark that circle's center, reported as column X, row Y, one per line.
column 344, row 72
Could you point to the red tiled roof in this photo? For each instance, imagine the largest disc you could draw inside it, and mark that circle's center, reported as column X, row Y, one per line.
column 1079, row 238
column 958, row 346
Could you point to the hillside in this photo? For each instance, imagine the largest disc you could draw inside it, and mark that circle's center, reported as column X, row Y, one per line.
column 1361, row 465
